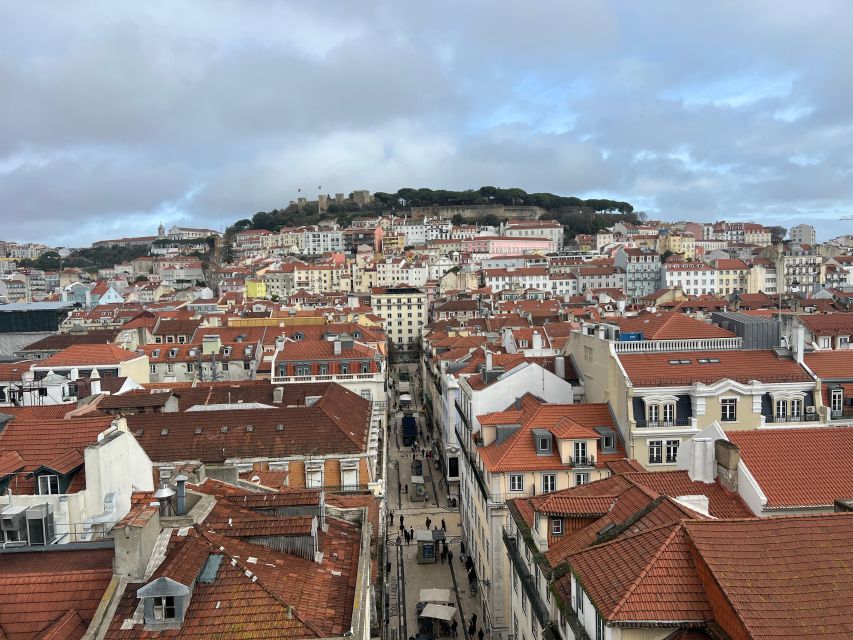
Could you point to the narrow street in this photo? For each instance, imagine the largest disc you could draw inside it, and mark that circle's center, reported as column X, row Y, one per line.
column 407, row 577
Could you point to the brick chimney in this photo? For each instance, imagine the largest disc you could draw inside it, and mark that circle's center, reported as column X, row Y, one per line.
column 727, row 456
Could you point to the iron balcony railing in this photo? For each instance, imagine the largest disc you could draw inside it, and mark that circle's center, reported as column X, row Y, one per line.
column 582, row 461
column 528, row 583
column 662, row 424
column 805, row 417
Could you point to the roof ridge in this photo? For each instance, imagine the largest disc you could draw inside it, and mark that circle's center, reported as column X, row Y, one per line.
column 676, row 527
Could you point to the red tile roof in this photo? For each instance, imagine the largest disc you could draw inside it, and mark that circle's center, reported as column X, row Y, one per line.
column 786, row 577
column 647, row 576
column 518, row 452
column 51, row 592
column 658, row 369
column 828, row 324
column 831, row 365
column 87, row 354
column 777, row 457
column 670, row 325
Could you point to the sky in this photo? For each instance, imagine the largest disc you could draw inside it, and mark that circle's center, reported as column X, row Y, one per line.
column 115, row 117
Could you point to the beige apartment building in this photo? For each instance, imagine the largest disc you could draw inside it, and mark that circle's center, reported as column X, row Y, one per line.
column 404, row 310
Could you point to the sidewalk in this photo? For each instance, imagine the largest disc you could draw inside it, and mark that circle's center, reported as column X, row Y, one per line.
column 405, row 569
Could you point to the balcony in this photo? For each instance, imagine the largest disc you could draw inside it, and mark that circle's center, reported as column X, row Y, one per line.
column 806, row 417
column 663, row 424
column 472, row 463
column 702, row 344
column 582, row 461
column 379, row 376
column 528, row 583
column 841, row 414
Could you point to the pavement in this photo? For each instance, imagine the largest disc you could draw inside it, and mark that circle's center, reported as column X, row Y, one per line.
column 407, row 577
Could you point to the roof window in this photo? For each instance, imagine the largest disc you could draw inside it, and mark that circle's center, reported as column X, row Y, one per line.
column 279, row 427
column 223, row 429
column 164, row 432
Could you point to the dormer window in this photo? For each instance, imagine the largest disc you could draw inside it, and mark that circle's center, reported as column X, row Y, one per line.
column 226, row 351
column 164, row 602
column 163, row 608
column 544, row 444
column 48, row 485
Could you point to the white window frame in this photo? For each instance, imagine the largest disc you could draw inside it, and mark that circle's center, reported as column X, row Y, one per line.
column 556, row 526
column 540, row 441
column 549, row 482
column 516, row 482
column 46, row 485
column 836, row 400
column 658, row 446
column 581, row 478
column 671, row 444
column 728, row 402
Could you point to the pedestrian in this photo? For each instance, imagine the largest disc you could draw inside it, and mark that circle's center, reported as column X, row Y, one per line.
column 405, row 488
column 406, row 534
column 462, row 547
column 471, row 629
column 473, row 624
column 449, row 556
column 443, row 556
column 480, row 633
column 411, row 533
column 401, row 521
column 453, row 626
column 428, row 522
column 443, row 526
column 402, row 528
column 390, row 517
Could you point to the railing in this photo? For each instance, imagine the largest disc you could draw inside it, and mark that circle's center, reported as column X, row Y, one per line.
column 528, row 583
column 838, row 414
column 376, row 377
column 582, row 461
column 701, row 344
column 663, row 424
column 806, row 417
column 472, row 463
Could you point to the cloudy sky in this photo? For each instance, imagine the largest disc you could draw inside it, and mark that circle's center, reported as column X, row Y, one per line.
column 199, row 113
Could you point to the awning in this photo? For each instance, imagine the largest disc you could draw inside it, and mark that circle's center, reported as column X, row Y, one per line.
column 434, row 595
column 405, row 398
column 439, row 612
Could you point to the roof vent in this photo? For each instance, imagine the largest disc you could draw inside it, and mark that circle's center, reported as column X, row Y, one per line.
column 164, row 432
column 198, row 431
column 279, row 427
column 223, row 429
column 250, row 427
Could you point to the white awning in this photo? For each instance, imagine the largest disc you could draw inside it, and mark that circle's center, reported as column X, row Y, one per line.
column 439, row 612
column 435, row 595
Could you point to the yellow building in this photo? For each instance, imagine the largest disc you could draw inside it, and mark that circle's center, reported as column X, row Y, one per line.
column 255, row 288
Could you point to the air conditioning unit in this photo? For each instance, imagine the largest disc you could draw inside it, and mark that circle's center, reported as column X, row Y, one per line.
column 810, row 409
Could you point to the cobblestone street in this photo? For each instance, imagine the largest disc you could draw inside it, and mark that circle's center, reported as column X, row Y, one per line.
column 408, row 577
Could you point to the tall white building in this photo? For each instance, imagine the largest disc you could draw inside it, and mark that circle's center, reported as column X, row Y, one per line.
column 803, row 233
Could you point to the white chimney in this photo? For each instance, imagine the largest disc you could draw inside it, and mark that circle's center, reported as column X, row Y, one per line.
column 337, row 347
column 537, row 340
column 73, row 374
column 488, row 360
column 560, row 367
column 703, row 464
column 95, row 378
column 799, row 343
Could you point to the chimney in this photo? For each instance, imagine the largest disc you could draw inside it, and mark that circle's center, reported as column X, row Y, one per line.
column 488, row 360
column 181, row 484
column 278, row 395
column 702, row 463
column 560, row 367
column 337, row 347
column 537, row 340
column 95, row 379
column 799, row 343
column 74, row 374
column 698, row 503
column 727, row 456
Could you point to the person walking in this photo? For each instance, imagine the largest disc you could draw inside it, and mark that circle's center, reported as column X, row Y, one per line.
column 449, row 556
column 443, row 526
column 401, row 521
column 453, row 626
column 428, row 522
column 472, row 628
column 411, row 533
column 443, row 556
column 480, row 634
column 473, row 623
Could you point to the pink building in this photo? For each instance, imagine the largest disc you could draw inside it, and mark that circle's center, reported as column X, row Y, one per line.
column 507, row 246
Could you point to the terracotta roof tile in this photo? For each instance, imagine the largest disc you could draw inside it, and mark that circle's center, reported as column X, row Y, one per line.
column 659, row 369
column 776, row 458
column 88, row 354
column 831, row 365
column 668, row 325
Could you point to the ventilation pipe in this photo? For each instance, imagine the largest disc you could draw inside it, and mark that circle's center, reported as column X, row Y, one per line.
column 537, row 340
column 95, row 379
column 278, row 395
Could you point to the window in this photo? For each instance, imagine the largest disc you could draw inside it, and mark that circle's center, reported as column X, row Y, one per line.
column 654, row 413
column 170, row 339
column 324, row 369
column 190, row 367
column 48, row 485
column 599, row 627
column 225, row 366
column 837, row 400
column 153, row 368
column 581, row 478
column 655, row 451
column 516, row 482
column 669, row 413
column 796, row 408
column 549, row 482
column 728, row 409
column 580, row 451
column 515, row 581
column 557, row 526
column 781, row 408
column 164, row 608
column 672, row 450
column 170, row 368
column 578, row 597
column 303, row 370
column 344, row 368
column 365, row 367
column 365, row 393
column 543, row 444
column 608, row 442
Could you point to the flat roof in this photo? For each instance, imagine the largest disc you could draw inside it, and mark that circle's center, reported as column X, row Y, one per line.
column 37, row 306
